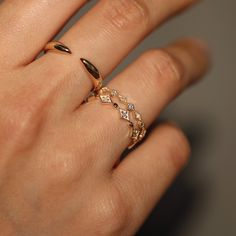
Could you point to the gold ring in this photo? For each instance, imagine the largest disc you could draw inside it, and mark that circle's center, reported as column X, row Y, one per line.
column 127, row 112
column 94, row 73
column 57, row 47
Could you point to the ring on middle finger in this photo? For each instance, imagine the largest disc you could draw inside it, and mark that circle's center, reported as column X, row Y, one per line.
column 94, row 74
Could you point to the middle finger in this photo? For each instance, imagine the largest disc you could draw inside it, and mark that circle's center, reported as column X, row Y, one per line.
column 104, row 36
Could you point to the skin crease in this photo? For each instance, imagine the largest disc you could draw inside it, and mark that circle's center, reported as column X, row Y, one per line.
column 60, row 172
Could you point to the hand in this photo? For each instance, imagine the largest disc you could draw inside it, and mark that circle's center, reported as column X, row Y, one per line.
column 59, row 170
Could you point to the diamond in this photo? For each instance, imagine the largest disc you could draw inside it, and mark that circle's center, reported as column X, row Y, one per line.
column 122, row 98
column 104, row 90
column 124, row 114
column 105, row 99
column 138, row 116
column 130, row 107
column 135, row 134
column 141, row 124
column 114, row 93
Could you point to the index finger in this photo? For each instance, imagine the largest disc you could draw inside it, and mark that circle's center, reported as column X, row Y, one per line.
column 26, row 26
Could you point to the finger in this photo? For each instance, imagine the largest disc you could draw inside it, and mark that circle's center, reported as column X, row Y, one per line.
column 150, row 84
column 144, row 175
column 105, row 35
column 158, row 76
column 26, row 26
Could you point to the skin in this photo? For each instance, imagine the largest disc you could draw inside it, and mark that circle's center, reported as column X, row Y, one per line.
column 58, row 159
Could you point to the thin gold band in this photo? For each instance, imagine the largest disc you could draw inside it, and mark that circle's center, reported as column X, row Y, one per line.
column 94, row 74
column 57, row 46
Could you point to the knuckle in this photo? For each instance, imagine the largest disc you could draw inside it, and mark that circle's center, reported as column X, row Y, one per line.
column 163, row 65
column 18, row 115
column 16, row 118
column 16, row 130
column 179, row 148
column 125, row 14
column 171, row 66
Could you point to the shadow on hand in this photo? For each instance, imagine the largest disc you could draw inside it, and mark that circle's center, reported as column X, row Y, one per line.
column 184, row 196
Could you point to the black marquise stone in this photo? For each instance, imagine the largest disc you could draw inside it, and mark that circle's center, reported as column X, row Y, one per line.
column 91, row 68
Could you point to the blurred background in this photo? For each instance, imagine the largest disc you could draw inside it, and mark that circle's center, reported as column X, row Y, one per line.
column 202, row 200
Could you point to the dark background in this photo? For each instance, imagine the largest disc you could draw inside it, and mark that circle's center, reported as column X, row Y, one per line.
column 202, row 200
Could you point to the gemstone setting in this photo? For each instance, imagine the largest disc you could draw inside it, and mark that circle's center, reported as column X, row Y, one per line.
column 130, row 107
column 124, row 114
column 105, row 99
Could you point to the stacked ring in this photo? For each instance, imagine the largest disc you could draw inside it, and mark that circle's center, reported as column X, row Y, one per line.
column 108, row 96
column 127, row 112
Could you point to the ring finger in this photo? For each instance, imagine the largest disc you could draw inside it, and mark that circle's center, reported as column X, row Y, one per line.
column 150, row 83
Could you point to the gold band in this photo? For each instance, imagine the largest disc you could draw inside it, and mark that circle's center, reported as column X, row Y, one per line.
column 57, row 46
column 94, row 74
column 127, row 112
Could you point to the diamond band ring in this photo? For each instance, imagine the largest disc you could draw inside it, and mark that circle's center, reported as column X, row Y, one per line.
column 127, row 112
